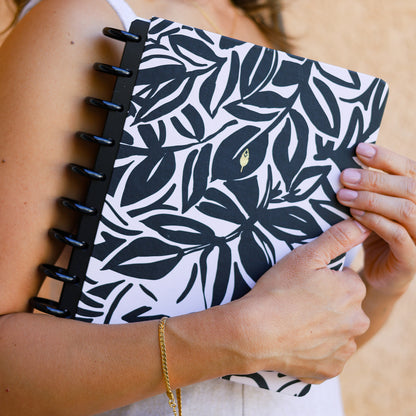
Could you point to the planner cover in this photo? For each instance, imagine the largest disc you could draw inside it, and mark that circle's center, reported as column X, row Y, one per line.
column 225, row 156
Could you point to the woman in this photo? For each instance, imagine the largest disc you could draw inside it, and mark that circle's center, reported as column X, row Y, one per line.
column 50, row 366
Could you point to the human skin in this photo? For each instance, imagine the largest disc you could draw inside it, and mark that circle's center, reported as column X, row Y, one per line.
column 59, row 367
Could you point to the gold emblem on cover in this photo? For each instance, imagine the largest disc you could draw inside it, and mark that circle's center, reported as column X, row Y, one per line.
column 244, row 159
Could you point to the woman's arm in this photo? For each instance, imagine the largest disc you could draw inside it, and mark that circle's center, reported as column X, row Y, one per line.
column 52, row 366
column 378, row 306
column 301, row 319
column 45, row 73
column 384, row 200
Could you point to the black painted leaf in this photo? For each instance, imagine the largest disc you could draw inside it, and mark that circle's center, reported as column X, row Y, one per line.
column 158, row 204
column 228, row 43
column 160, row 26
column 293, row 135
column 146, row 258
column 88, row 313
column 193, row 50
column 195, row 177
column 306, row 182
column 240, row 285
column 148, row 177
column 108, row 246
column 342, row 154
column 253, row 256
column 159, row 75
column 186, row 178
column 152, row 139
column 291, row 224
column 104, row 291
column 264, row 203
column 204, row 36
column 254, row 69
column 292, row 73
column 223, row 274
column 328, row 124
column 221, row 207
column 355, row 127
column 126, row 137
column 214, row 85
column 241, row 111
column 131, row 317
column 116, row 175
column 287, row 385
column 190, row 284
column 203, row 267
column 365, row 97
column 227, row 162
column 305, row 390
column 247, row 193
column 377, row 107
column 194, row 119
column 331, row 211
column 135, row 315
column 179, row 229
column 167, row 99
column 266, row 99
column 208, row 89
column 116, row 302
column 148, row 292
column 354, row 84
column 258, row 380
column 86, row 300
column 232, row 80
column 126, row 151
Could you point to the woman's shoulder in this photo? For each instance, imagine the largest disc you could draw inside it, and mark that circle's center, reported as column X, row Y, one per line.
column 55, row 21
column 54, row 36
column 45, row 73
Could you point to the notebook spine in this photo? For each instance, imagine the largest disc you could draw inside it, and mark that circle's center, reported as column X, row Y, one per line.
column 74, row 275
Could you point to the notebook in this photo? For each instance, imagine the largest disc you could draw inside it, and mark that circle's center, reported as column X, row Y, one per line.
column 217, row 159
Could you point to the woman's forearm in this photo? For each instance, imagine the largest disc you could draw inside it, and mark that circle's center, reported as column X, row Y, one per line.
column 51, row 366
column 378, row 307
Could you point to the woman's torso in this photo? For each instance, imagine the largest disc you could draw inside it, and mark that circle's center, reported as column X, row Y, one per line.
column 222, row 397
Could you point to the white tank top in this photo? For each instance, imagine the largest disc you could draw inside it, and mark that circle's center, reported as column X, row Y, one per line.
column 123, row 10
column 220, row 397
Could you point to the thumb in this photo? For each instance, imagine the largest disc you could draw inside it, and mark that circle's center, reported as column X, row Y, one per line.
column 335, row 241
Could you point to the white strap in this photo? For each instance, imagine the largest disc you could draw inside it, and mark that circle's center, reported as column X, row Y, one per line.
column 123, row 10
column 28, row 7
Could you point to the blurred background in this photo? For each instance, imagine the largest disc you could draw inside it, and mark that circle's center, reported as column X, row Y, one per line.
column 375, row 37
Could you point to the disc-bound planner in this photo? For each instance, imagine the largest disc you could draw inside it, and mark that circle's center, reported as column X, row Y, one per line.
column 218, row 157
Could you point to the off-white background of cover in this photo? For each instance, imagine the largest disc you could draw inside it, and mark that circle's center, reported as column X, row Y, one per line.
column 375, row 37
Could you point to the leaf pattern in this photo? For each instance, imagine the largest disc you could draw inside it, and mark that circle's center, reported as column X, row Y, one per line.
column 230, row 157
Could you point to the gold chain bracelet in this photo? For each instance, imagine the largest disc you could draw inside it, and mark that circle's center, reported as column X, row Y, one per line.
column 164, row 362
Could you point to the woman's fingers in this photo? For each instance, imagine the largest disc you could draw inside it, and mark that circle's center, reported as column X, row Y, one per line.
column 394, row 234
column 401, row 210
column 335, row 241
column 396, row 267
column 390, row 193
column 380, row 182
column 383, row 159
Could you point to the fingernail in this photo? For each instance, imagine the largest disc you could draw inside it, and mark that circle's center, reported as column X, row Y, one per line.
column 356, row 212
column 347, row 195
column 366, row 150
column 361, row 227
column 351, row 176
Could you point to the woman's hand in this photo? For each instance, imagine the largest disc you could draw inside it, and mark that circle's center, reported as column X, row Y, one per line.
column 384, row 201
column 301, row 318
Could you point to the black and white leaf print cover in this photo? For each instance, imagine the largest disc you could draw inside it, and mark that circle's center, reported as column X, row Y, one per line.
column 229, row 159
